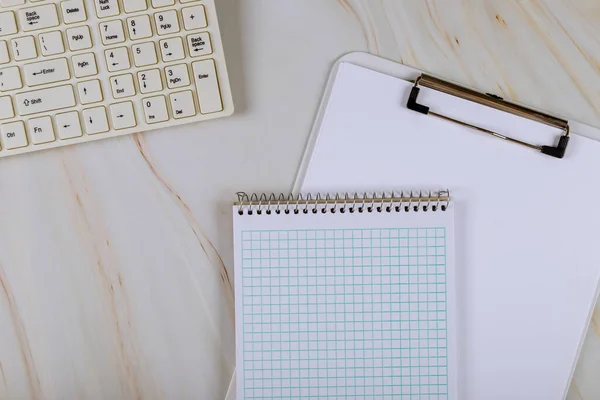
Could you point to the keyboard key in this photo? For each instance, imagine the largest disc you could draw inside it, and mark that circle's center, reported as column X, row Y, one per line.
column 41, row 73
column 199, row 44
column 39, row 101
column 13, row 135
column 51, row 43
column 112, row 32
column 166, row 22
column 24, row 48
column 84, row 65
column 187, row 1
column 207, row 86
column 144, row 54
column 11, row 3
column 39, row 17
column 10, row 79
column 79, row 38
column 73, row 11
column 150, row 81
column 123, row 115
column 122, row 86
column 8, row 25
column 162, row 3
column 194, row 18
column 6, row 108
column 95, row 120
column 117, row 59
column 106, row 8
column 41, row 130
column 68, row 125
column 139, row 27
column 4, row 56
column 90, row 92
column 155, row 109
column 177, row 76
column 182, row 104
column 134, row 5
column 172, row 49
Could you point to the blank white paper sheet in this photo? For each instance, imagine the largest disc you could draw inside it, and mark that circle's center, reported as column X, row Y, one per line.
column 528, row 225
column 345, row 306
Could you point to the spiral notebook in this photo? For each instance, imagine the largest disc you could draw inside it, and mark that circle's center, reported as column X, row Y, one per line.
column 345, row 297
column 528, row 223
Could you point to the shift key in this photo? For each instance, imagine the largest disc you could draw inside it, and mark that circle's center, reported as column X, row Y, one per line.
column 43, row 100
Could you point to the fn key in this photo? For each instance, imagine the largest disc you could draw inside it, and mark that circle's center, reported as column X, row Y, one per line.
column 207, row 85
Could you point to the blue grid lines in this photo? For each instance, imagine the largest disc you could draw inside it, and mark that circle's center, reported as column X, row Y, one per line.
column 358, row 313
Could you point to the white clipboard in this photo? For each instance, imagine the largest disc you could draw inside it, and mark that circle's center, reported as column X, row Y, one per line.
column 338, row 170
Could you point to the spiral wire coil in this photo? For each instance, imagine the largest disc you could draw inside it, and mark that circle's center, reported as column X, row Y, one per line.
column 257, row 204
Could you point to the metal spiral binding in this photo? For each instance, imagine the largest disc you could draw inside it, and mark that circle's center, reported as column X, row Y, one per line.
column 410, row 201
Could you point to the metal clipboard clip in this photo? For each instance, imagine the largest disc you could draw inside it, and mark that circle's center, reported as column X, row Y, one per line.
column 492, row 101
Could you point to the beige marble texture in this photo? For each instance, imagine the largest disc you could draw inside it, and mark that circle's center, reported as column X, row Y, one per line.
column 115, row 256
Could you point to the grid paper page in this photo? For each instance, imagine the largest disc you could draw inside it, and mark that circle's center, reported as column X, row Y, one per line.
column 344, row 306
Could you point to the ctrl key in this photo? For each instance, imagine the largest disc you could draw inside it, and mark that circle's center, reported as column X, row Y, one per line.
column 13, row 135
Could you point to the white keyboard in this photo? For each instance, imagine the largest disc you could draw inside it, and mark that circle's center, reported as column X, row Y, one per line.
column 79, row 70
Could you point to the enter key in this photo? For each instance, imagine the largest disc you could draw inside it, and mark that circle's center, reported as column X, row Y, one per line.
column 44, row 72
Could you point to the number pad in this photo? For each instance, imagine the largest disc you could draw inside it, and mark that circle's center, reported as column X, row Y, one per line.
column 139, row 27
column 182, row 104
column 155, row 109
column 112, row 32
column 150, row 81
column 172, row 49
column 193, row 18
column 144, row 54
column 166, row 22
column 177, row 76
column 117, row 59
column 122, row 86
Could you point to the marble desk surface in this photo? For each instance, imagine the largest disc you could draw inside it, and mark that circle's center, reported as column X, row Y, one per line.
column 115, row 256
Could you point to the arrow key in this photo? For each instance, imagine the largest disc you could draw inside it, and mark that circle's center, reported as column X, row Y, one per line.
column 68, row 125
column 139, row 27
column 172, row 49
column 90, row 92
column 122, row 115
column 117, row 59
column 95, row 120
column 150, row 81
